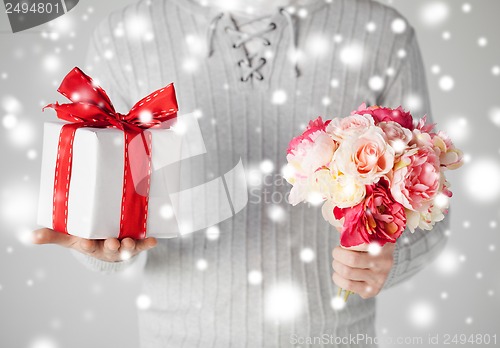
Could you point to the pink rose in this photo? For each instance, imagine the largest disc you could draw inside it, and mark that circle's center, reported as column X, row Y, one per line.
column 397, row 136
column 341, row 128
column 416, row 178
column 366, row 157
column 378, row 218
column 381, row 114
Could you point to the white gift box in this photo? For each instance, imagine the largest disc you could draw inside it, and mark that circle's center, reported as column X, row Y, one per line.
column 95, row 191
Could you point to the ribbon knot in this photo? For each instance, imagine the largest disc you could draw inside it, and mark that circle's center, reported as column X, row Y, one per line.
column 91, row 107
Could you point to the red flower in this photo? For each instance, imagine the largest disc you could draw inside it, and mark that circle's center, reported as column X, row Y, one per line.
column 381, row 114
column 379, row 218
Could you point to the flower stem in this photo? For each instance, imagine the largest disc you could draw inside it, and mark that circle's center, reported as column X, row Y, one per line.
column 347, row 293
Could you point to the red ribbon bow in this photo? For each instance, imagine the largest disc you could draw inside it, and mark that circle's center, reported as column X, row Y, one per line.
column 91, row 107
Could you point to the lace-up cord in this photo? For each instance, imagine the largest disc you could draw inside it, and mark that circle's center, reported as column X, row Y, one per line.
column 250, row 67
column 244, row 37
column 250, row 71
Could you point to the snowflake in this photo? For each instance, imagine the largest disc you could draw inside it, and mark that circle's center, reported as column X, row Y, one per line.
column 279, row 97
column 108, row 54
column 166, row 211
column 482, row 42
column 352, row 55
column 422, row 314
column 447, row 262
column 334, row 83
column 212, row 233
column 326, row 101
column 9, row 121
column 337, row 38
column 307, row 255
column 446, row 83
column 376, row 83
column 338, row 303
column 32, row 154
column 434, row 13
column 202, row 264
column 125, row 255
column 435, row 69
column 283, row 302
column 266, row 166
column 413, row 102
column 143, row 302
column 402, row 53
column 374, row 249
column 371, row 27
column 255, row 277
column 51, row 63
column 481, row 180
column 317, row 45
column 276, row 213
column 43, row 342
column 398, row 26
column 190, row 65
column 302, row 13
column 457, row 128
column 137, row 26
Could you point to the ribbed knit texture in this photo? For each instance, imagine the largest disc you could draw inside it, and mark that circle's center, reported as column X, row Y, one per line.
column 218, row 307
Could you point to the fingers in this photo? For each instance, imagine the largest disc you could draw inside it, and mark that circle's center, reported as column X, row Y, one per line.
column 146, row 244
column 362, row 272
column 88, row 246
column 110, row 248
column 128, row 245
column 354, row 259
column 355, row 274
column 360, row 288
column 48, row 236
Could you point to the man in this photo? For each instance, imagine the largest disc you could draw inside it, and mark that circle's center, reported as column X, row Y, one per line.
column 264, row 279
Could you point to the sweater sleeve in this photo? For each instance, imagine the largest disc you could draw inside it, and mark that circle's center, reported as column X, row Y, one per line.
column 409, row 88
column 103, row 69
column 105, row 267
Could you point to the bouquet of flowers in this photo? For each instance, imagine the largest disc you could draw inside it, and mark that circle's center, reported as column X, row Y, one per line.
column 377, row 172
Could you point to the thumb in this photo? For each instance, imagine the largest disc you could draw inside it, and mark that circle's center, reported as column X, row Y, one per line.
column 48, row 236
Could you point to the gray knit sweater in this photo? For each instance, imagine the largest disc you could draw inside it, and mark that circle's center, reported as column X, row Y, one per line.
column 352, row 51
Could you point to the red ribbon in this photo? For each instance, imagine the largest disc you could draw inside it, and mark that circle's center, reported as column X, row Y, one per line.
column 91, row 107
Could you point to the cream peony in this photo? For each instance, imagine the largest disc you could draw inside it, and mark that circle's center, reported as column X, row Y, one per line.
column 343, row 190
